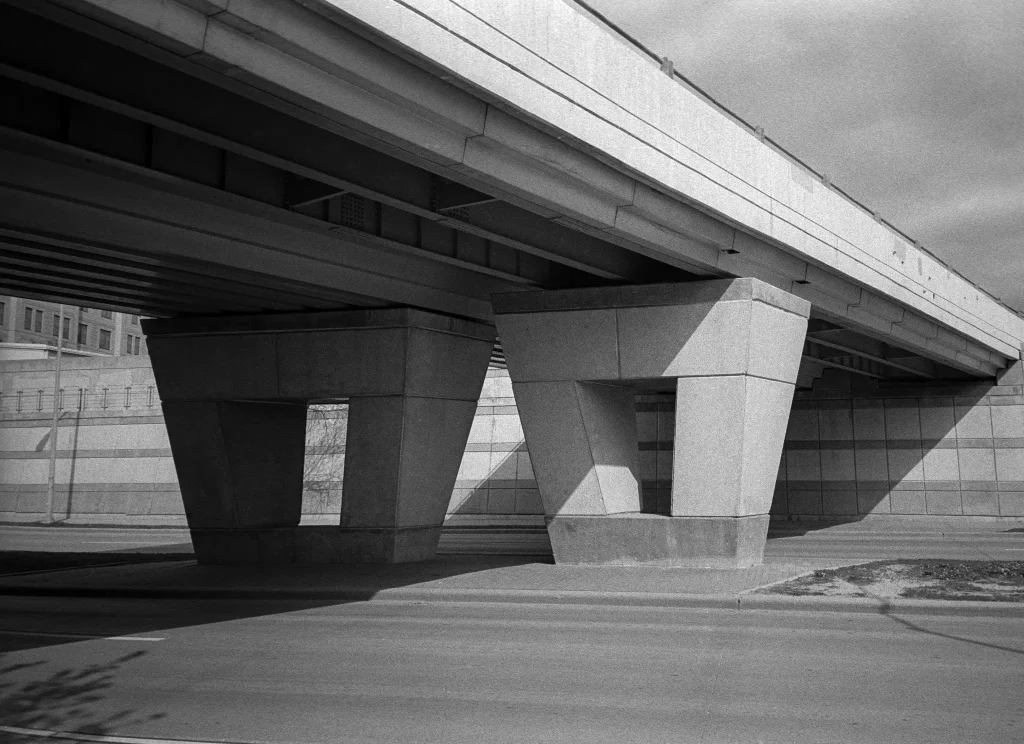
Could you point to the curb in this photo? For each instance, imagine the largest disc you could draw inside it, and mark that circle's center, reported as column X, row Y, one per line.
column 646, row 600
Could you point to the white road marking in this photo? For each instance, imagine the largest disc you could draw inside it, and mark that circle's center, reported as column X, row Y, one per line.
column 113, row 542
column 72, row 736
column 79, row 636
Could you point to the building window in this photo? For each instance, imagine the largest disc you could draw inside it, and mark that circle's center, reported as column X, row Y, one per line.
column 130, row 345
column 138, row 344
column 83, row 310
column 106, row 314
column 67, row 329
column 105, row 339
column 39, row 321
column 135, row 320
column 28, row 319
column 2, row 308
column 83, row 334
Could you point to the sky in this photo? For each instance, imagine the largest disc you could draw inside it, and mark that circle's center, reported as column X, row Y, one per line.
column 915, row 108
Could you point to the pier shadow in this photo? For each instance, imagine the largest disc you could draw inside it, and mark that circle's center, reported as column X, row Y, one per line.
column 132, row 594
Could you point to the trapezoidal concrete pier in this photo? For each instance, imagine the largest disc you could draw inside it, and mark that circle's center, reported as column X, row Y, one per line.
column 576, row 358
column 235, row 391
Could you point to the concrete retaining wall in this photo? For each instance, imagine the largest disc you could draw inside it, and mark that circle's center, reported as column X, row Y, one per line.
column 954, row 450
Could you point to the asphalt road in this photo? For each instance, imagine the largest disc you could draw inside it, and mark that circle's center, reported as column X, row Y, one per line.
column 95, row 539
column 276, row 671
column 837, row 545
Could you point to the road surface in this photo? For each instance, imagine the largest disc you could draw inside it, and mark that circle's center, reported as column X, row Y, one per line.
column 838, row 544
column 388, row 671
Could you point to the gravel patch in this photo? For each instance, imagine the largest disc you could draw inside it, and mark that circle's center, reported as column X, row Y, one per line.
column 991, row 581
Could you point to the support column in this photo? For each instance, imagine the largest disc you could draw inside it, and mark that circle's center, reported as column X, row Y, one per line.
column 590, row 431
column 401, row 462
column 235, row 392
column 239, row 464
column 732, row 349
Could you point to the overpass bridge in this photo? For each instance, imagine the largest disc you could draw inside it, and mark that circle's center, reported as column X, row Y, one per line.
column 324, row 199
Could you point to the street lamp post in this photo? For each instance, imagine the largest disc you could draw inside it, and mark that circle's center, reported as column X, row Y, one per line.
column 53, row 422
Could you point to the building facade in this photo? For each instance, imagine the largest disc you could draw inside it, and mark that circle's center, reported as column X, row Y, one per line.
column 86, row 330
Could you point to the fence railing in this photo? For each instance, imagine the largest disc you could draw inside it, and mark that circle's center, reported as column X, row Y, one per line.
column 38, row 400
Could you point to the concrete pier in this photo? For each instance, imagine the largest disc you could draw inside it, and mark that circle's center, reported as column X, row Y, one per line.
column 732, row 350
column 235, row 392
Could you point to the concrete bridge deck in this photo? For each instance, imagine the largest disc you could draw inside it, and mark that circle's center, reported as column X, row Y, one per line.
column 454, row 149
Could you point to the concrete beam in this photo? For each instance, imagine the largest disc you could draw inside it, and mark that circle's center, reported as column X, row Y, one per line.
column 43, row 197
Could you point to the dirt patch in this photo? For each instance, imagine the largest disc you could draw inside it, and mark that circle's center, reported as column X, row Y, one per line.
column 989, row 581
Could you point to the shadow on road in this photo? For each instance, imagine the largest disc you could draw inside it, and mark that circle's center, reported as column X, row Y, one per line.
column 786, row 528
column 132, row 594
column 886, row 611
column 63, row 700
column 14, row 562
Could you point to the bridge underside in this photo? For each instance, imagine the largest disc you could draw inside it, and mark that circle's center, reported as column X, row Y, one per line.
column 131, row 180
column 129, row 184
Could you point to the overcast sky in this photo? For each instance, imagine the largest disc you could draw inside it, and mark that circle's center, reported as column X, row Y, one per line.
column 916, row 108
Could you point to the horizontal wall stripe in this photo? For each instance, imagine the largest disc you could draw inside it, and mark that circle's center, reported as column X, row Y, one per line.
column 656, row 446
column 509, row 447
column 518, row 446
column 84, row 454
column 91, row 488
column 966, row 485
column 665, row 407
column 1007, row 400
column 942, row 485
column 904, row 485
column 70, row 423
column 499, row 484
column 899, row 444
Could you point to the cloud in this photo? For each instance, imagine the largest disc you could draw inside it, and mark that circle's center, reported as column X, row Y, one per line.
column 913, row 107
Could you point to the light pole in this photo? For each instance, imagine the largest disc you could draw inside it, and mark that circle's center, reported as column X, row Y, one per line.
column 53, row 422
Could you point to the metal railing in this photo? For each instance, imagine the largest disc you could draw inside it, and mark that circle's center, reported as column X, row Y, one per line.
column 40, row 400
